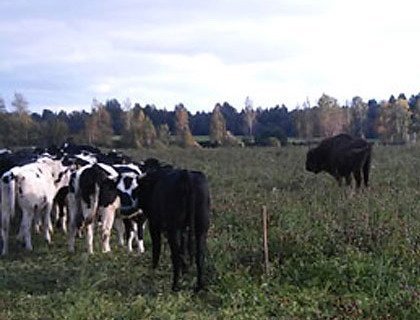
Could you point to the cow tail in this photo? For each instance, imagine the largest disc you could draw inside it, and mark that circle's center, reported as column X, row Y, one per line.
column 8, row 195
column 95, row 205
column 190, row 207
column 191, row 230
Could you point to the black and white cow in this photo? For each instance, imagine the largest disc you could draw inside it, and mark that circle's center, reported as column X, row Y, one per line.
column 34, row 186
column 92, row 194
column 130, row 215
column 177, row 203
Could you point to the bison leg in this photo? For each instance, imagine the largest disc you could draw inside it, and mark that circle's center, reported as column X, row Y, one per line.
column 175, row 257
column 366, row 168
column 358, row 177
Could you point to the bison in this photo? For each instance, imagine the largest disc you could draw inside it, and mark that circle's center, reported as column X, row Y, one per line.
column 341, row 156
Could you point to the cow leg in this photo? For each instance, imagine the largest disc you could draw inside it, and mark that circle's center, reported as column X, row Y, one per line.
column 119, row 225
column 339, row 180
column 184, row 243
column 73, row 225
column 175, row 257
column 5, row 225
column 47, row 222
column 72, row 236
column 348, row 180
column 358, row 177
column 131, row 234
column 156, row 237
column 127, row 234
column 199, row 258
column 108, row 216
column 26, row 228
column 141, row 224
column 89, row 236
column 37, row 222
column 63, row 218
column 19, row 236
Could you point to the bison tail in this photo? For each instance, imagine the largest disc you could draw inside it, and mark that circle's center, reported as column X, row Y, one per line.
column 366, row 166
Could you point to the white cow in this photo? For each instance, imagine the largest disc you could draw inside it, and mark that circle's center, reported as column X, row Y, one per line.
column 34, row 186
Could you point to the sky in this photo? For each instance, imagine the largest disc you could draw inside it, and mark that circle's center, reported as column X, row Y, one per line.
column 63, row 54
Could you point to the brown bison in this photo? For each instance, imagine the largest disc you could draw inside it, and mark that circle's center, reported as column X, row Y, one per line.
column 341, row 156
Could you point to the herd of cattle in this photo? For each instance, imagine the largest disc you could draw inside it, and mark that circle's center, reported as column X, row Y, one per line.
column 77, row 186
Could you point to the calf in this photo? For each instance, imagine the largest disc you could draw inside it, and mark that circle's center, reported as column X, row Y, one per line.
column 92, row 193
column 34, row 186
column 341, row 156
column 177, row 203
column 131, row 217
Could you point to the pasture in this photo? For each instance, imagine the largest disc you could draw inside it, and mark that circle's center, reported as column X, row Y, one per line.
column 332, row 256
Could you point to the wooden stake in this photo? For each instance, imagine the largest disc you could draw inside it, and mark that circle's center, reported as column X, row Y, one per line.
column 265, row 237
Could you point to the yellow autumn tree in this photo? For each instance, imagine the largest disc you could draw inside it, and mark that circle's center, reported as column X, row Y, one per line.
column 139, row 129
column 98, row 128
column 184, row 137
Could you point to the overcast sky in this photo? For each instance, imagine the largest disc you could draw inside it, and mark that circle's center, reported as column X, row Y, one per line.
column 62, row 54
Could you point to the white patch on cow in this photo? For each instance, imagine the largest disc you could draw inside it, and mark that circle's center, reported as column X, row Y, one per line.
column 112, row 173
column 89, row 158
column 130, row 166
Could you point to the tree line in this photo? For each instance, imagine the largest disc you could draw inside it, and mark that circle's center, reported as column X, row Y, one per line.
column 122, row 124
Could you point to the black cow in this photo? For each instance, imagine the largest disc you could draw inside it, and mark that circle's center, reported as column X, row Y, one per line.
column 177, row 203
column 341, row 156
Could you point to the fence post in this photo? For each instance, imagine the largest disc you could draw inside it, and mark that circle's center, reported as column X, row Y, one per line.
column 265, row 237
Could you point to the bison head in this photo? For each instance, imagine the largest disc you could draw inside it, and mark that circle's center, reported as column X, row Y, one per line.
column 313, row 163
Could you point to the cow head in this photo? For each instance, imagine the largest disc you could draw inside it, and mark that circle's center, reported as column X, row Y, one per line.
column 313, row 161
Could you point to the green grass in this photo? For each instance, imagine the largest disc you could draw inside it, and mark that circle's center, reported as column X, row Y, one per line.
column 332, row 256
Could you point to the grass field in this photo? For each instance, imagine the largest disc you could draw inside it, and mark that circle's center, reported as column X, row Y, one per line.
column 332, row 256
